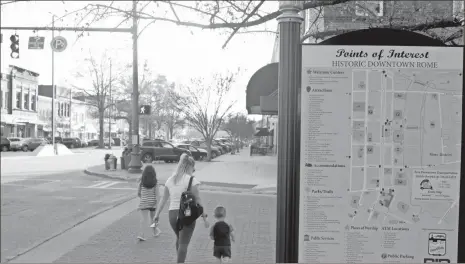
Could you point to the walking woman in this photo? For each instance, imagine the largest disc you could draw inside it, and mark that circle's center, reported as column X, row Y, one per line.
column 174, row 187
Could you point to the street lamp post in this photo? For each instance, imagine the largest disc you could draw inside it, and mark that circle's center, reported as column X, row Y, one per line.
column 289, row 76
column 135, row 164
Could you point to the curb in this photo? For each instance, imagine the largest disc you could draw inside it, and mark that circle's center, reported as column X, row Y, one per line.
column 102, row 175
column 264, row 191
column 90, row 216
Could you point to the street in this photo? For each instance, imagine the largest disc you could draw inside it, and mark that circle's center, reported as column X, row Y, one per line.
column 36, row 209
column 49, row 202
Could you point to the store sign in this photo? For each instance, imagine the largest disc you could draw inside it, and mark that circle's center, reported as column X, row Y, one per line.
column 380, row 154
column 22, row 116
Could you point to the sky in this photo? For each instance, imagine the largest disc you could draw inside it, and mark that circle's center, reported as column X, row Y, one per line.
column 178, row 52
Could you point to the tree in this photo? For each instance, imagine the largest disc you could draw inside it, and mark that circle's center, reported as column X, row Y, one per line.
column 97, row 93
column 205, row 104
column 239, row 126
column 236, row 17
column 170, row 114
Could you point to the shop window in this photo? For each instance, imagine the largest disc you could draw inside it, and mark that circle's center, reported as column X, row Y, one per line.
column 18, row 100
column 26, row 101
column 33, row 103
column 369, row 8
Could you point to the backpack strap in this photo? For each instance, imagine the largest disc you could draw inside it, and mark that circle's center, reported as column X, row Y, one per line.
column 190, row 183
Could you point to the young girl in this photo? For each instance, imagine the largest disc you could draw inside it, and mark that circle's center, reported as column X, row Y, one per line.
column 222, row 233
column 148, row 194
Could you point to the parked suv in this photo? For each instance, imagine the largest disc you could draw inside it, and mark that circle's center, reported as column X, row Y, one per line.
column 161, row 150
column 16, row 143
column 72, row 142
column 5, row 145
column 30, row 144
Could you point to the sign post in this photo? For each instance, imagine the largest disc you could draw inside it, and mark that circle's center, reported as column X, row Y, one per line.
column 380, row 175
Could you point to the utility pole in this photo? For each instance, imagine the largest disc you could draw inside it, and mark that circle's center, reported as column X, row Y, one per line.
column 290, row 53
column 135, row 164
column 55, row 148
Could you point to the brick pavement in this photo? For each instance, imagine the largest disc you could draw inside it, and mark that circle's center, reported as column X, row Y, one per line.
column 253, row 217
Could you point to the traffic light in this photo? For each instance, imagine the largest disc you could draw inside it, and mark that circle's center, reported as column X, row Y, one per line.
column 14, row 46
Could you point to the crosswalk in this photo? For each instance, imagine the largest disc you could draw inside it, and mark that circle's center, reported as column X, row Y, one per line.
column 109, row 185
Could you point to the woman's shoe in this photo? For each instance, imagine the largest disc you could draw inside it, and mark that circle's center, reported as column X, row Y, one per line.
column 140, row 238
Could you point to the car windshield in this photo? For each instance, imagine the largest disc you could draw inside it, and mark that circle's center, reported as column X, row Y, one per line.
column 14, row 139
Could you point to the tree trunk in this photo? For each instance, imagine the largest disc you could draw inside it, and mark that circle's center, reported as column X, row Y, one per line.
column 101, row 121
column 208, row 142
column 170, row 129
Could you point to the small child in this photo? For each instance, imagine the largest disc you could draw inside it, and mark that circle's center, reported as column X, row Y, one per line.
column 148, row 194
column 222, row 233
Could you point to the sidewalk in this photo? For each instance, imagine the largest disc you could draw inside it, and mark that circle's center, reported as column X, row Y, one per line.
column 254, row 221
column 236, row 171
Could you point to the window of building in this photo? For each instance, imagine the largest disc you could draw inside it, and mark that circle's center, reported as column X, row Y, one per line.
column 33, row 103
column 369, row 8
column 18, row 100
column 26, row 101
column 1, row 99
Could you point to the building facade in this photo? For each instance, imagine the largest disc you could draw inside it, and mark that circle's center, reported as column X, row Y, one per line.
column 71, row 116
column 19, row 95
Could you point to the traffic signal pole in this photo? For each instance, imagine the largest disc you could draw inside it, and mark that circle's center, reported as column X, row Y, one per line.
column 135, row 164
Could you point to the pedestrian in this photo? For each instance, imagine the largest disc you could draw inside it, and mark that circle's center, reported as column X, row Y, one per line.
column 222, row 233
column 175, row 186
column 148, row 194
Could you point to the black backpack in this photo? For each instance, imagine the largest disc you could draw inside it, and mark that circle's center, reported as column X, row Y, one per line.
column 189, row 209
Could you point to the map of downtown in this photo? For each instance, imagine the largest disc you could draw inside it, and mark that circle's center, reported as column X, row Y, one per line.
column 383, row 167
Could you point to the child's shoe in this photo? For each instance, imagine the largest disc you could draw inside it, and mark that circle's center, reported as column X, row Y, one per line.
column 156, row 231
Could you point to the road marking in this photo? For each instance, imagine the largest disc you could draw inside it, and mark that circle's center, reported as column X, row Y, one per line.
column 107, row 185
column 100, row 183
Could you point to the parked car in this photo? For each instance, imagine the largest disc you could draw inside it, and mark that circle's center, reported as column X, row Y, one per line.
column 72, row 142
column 5, row 144
column 30, row 144
column 16, row 143
column 197, row 153
column 223, row 146
column 57, row 140
column 92, row 142
column 106, row 140
column 201, row 144
column 161, row 150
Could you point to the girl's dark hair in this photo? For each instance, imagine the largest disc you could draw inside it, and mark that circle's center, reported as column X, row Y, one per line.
column 149, row 177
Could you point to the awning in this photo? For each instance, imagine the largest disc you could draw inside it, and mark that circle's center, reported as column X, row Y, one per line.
column 262, row 132
column 263, row 84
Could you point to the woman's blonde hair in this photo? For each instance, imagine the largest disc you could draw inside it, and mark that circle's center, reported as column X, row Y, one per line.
column 185, row 164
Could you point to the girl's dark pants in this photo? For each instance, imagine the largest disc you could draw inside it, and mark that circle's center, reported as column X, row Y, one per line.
column 183, row 237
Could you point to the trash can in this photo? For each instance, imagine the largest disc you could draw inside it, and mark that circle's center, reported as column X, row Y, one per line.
column 115, row 162
column 122, row 163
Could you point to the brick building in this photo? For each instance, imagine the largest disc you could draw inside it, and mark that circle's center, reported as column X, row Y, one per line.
column 18, row 97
